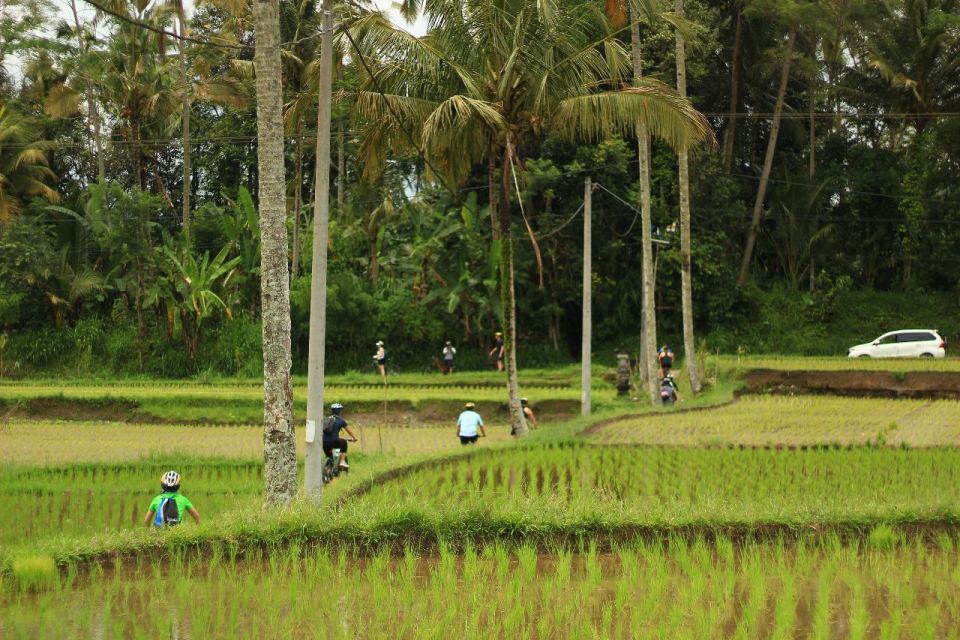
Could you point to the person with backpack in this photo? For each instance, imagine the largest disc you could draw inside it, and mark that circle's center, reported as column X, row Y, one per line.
column 380, row 358
column 168, row 508
column 449, row 351
column 470, row 425
column 331, row 434
column 665, row 358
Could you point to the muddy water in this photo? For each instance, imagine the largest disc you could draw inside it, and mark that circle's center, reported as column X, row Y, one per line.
column 674, row 590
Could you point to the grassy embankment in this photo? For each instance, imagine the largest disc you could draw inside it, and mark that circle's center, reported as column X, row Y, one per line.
column 240, row 401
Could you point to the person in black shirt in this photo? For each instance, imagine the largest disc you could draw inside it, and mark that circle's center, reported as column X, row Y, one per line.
column 497, row 349
column 331, row 434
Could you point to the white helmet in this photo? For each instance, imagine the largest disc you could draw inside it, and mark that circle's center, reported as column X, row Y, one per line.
column 170, row 479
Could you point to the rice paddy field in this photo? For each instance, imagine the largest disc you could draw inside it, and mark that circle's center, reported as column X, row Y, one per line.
column 657, row 486
column 768, row 517
column 241, row 403
column 57, row 442
column 763, row 421
column 885, row 588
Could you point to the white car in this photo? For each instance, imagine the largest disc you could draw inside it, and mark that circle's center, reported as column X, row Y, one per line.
column 909, row 343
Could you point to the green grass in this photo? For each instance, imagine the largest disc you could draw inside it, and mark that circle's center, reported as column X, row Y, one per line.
column 241, row 403
column 566, row 376
column 796, row 421
column 675, row 588
column 85, row 499
column 651, row 486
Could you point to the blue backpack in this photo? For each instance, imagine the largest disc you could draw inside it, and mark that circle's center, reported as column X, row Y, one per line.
column 168, row 513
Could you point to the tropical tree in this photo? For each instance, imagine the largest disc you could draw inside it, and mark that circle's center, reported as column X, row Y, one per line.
column 196, row 284
column 138, row 86
column 787, row 13
column 279, row 450
column 65, row 285
column 645, row 11
column 489, row 77
column 24, row 170
column 683, row 160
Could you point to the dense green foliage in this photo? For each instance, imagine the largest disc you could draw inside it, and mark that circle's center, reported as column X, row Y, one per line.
column 99, row 273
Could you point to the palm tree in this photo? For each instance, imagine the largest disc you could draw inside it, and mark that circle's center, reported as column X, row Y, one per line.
column 24, row 172
column 686, row 286
column 279, row 450
column 485, row 81
column 139, row 86
column 64, row 285
column 644, row 11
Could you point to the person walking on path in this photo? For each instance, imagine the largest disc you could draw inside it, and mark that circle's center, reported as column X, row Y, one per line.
column 449, row 351
column 167, row 509
column 380, row 357
column 528, row 413
column 470, row 425
column 497, row 350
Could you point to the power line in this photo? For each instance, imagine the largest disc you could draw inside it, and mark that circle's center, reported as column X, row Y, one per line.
column 853, row 115
column 164, row 32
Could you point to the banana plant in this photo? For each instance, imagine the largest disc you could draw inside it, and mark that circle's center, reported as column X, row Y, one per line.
column 196, row 289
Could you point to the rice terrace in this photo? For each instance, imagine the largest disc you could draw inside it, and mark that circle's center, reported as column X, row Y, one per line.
column 480, row 319
column 738, row 515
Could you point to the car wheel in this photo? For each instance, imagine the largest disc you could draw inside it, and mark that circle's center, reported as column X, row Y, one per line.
column 864, row 355
column 926, row 355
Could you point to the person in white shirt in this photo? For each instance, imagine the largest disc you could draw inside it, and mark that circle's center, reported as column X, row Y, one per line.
column 470, row 425
column 380, row 358
column 448, row 352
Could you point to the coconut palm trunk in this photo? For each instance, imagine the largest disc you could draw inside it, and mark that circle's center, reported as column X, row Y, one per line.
column 279, row 452
column 185, row 118
column 648, row 311
column 297, row 202
column 508, row 299
column 767, row 162
column 92, row 112
column 736, row 78
column 683, row 160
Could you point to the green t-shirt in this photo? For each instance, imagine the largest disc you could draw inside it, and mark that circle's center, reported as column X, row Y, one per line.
column 183, row 504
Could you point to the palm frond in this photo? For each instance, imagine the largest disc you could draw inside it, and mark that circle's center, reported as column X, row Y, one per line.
column 460, row 112
column 667, row 116
column 62, row 101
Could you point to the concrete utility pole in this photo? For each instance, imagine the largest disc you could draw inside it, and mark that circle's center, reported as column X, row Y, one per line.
column 585, row 349
column 313, row 473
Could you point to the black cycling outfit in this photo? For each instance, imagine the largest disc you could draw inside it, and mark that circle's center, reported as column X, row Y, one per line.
column 331, row 435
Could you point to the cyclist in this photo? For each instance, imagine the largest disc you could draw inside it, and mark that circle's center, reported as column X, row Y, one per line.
column 669, row 393
column 331, row 434
column 167, row 509
column 528, row 413
column 665, row 358
column 470, row 425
